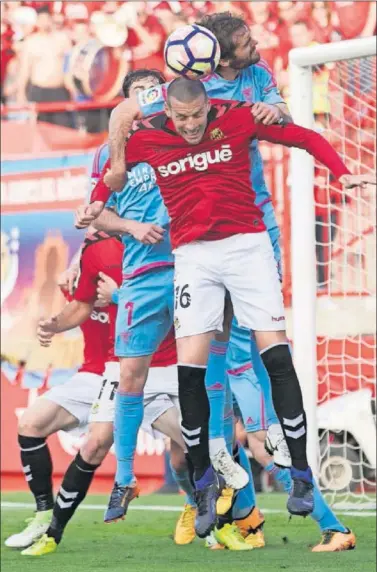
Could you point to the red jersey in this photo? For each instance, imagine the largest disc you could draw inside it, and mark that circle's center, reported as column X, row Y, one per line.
column 167, row 352
column 101, row 253
column 206, row 187
column 96, row 334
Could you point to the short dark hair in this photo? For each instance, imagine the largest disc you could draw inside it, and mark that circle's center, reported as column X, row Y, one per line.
column 186, row 90
column 43, row 10
column 223, row 25
column 135, row 75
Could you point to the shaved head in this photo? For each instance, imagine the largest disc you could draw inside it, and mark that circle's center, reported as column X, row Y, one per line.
column 187, row 105
column 186, row 90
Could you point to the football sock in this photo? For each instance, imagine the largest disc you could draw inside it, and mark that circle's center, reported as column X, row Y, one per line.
column 182, row 478
column 72, row 492
column 280, row 475
column 287, row 399
column 215, row 387
column 37, row 468
column 194, row 406
column 245, row 499
column 129, row 410
column 323, row 514
column 228, row 418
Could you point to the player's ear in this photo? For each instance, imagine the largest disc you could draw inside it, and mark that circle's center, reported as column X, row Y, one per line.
column 167, row 109
column 208, row 105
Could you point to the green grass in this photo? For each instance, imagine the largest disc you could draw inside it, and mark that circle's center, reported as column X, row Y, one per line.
column 143, row 543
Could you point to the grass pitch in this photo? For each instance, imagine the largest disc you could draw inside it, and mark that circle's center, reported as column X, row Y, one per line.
column 143, row 542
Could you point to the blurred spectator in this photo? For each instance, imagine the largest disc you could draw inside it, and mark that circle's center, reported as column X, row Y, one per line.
column 321, row 22
column 146, row 38
column 301, row 34
column 7, row 51
column 264, row 29
column 42, row 74
column 354, row 19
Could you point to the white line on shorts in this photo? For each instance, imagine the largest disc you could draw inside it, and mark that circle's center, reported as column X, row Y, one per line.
column 31, row 506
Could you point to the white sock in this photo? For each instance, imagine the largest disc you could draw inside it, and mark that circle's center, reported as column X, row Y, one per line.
column 216, row 445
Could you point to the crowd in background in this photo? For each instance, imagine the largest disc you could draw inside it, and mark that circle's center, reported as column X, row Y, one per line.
column 37, row 38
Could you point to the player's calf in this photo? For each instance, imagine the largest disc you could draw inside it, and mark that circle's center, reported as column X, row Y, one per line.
column 288, row 403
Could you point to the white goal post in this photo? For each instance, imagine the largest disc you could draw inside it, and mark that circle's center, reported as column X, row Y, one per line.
column 302, row 62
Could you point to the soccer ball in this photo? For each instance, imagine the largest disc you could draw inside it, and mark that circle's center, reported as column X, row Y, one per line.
column 192, row 52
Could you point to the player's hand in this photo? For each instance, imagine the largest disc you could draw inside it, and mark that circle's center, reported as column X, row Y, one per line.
column 105, row 288
column 351, row 181
column 265, row 113
column 86, row 214
column 67, row 279
column 146, row 232
column 46, row 331
column 115, row 179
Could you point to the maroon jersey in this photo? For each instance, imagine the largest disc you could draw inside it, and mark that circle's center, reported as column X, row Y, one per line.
column 101, row 253
column 206, row 187
column 96, row 334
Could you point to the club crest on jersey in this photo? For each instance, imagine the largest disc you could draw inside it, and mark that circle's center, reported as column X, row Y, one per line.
column 150, row 95
column 216, row 134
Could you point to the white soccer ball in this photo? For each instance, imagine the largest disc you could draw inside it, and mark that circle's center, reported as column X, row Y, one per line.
column 192, row 52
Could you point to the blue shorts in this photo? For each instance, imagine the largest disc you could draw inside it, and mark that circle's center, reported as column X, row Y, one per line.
column 248, row 378
column 145, row 312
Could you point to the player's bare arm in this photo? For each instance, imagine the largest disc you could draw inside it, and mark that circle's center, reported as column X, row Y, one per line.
column 145, row 232
column 120, row 124
column 72, row 316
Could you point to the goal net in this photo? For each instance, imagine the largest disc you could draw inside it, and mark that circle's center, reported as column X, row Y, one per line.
column 333, row 248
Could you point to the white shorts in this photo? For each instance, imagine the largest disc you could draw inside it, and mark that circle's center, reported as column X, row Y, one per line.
column 160, row 393
column 245, row 266
column 103, row 406
column 77, row 395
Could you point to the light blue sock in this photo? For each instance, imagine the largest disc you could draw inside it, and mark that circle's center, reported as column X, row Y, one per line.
column 322, row 513
column 215, row 386
column 280, row 475
column 245, row 499
column 129, row 410
column 182, row 478
column 228, row 417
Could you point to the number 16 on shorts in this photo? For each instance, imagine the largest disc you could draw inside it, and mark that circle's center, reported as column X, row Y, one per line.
column 182, row 297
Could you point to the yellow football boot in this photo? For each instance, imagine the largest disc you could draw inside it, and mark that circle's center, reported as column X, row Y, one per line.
column 225, row 501
column 45, row 545
column 185, row 527
column 335, row 541
column 251, row 528
column 230, row 537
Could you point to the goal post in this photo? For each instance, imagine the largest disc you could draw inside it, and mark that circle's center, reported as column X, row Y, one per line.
column 349, row 69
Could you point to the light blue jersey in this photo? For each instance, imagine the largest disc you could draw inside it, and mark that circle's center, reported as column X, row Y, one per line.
column 140, row 200
column 253, row 84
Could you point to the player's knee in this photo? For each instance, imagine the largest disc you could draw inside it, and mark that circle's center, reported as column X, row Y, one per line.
column 30, row 426
column 96, row 447
column 133, row 374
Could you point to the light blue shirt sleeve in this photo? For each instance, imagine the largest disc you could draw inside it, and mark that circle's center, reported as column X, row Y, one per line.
column 267, row 84
column 112, row 202
column 152, row 100
column 115, row 296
